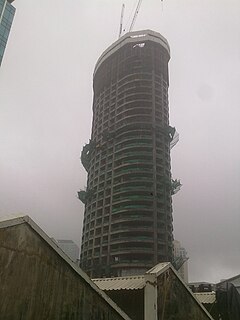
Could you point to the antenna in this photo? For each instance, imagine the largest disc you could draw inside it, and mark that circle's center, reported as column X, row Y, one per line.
column 135, row 15
column 121, row 20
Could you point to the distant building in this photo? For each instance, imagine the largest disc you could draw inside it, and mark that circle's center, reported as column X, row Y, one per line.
column 202, row 286
column 70, row 248
column 180, row 254
column 128, row 224
column 235, row 281
column 7, row 12
column 228, row 298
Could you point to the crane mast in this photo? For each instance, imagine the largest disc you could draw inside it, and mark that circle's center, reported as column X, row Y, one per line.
column 135, row 15
column 121, row 21
column 133, row 20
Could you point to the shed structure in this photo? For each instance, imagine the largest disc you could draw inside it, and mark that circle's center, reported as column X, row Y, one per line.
column 39, row 281
column 159, row 294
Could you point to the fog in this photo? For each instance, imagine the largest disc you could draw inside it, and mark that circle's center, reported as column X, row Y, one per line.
column 46, row 110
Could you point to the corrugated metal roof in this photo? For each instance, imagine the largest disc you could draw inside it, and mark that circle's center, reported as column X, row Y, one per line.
column 121, row 283
column 159, row 268
column 206, row 297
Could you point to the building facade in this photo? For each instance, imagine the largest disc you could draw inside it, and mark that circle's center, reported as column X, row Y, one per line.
column 70, row 248
column 7, row 12
column 181, row 259
column 127, row 225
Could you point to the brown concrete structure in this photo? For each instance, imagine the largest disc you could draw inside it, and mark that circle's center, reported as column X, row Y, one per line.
column 38, row 281
column 127, row 225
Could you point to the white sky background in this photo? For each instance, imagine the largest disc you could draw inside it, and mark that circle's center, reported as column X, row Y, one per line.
column 46, row 109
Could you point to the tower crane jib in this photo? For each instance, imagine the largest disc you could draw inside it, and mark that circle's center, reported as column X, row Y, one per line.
column 135, row 15
column 121, row 21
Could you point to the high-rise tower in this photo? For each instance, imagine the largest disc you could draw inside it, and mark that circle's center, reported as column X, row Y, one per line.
column 7, row 12
column 127, row 225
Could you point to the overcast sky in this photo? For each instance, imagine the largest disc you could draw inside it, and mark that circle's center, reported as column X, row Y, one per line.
column 46, row 110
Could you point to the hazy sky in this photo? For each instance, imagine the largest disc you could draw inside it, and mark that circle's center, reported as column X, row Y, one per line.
column 46, row 109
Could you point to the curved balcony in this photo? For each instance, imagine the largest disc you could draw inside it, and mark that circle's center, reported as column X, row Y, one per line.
column 135, row 179
column 132, row 239
column 130, row 126
column 143, row 92
column 134, row 139
column 130, row 217
column 142, row 178
column 131, row 120
column 135, row 89
column 132, row 193
column 134, row 118
column 135, row 77
column 123, row 105
column 127, row 186
column 135, row 134
column 132, row 250
column 135, row 147
column 133, row 110
column 132, row 205
column 135, row 198
column 130, row 168
column 133, row 162
column 134, row 229
column 134, row 154
column 131, row 87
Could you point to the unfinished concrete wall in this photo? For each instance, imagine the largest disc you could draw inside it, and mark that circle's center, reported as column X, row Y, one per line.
column 37, row 283
column 174, row 300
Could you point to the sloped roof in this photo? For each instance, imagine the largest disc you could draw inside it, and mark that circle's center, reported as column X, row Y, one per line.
column 139, row 282
column 229, row 279
column 160, row 268
column 206, row 297
column 121, row 283
column 129, row 282
column 10, row 221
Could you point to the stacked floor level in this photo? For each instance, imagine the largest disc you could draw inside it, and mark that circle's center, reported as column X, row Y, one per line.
column 127, row 224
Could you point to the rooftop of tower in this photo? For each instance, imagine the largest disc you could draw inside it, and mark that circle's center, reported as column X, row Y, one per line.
column 133, row 37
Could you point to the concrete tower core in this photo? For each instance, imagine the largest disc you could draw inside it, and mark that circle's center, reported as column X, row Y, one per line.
column 127, row 225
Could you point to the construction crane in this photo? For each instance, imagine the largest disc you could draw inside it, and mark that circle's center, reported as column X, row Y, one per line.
column 121, row 21
column 135, row 15
column 133, row 20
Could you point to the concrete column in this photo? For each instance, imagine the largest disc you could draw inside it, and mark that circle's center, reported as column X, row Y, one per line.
column 150, row 297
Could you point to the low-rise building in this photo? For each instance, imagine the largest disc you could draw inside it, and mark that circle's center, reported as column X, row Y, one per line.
column 159, row 294
column 39, row 281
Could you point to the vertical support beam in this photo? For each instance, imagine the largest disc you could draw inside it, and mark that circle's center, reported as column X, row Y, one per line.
column 150, row 297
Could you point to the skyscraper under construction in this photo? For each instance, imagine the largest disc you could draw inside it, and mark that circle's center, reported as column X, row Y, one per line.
column 7, row 12
column 127, row 225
